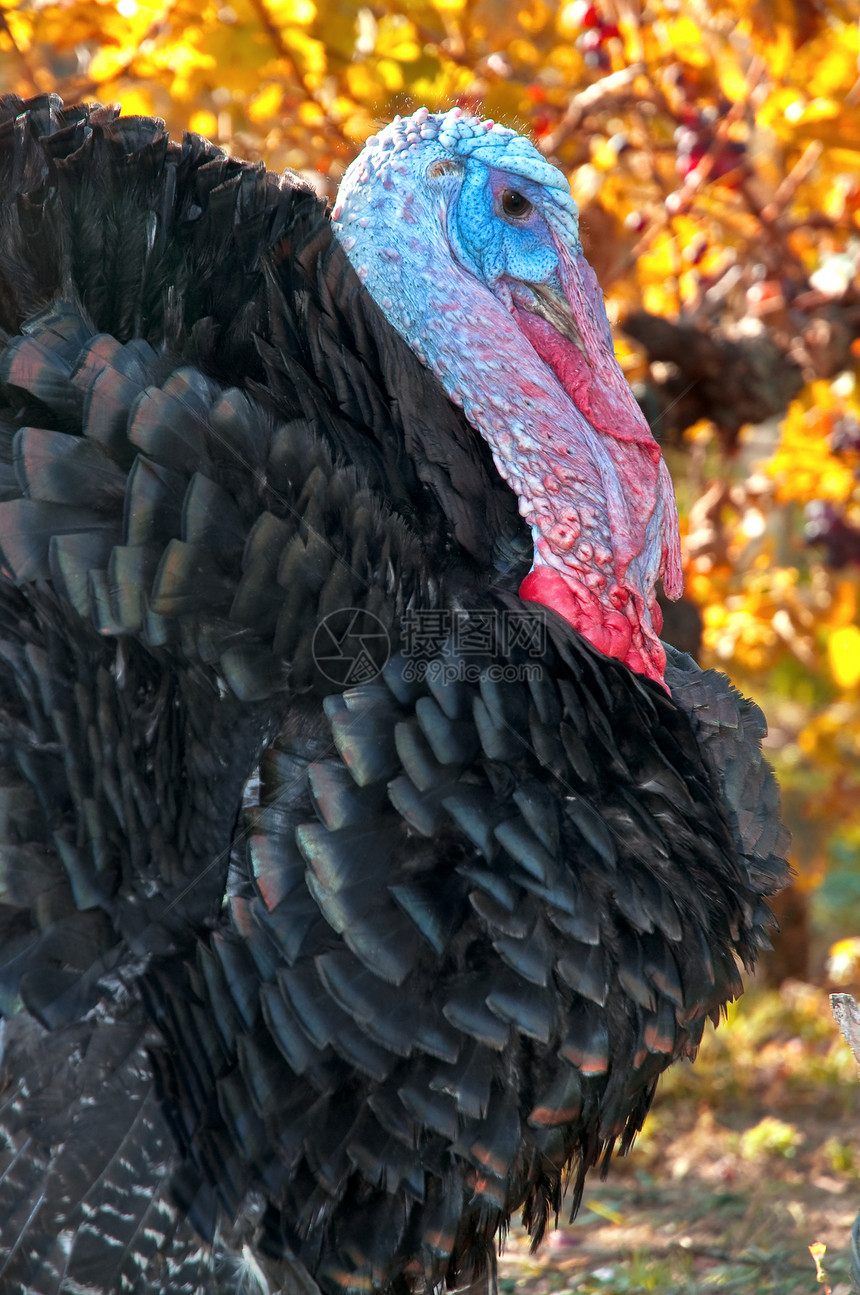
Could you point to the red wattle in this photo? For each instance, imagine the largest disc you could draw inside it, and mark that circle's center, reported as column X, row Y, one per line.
column 606, row 629
column 546, row 586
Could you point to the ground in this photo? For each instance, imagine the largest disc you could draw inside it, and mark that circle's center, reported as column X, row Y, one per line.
column 748, row 1158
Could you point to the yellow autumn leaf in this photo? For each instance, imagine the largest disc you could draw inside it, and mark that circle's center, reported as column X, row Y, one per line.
column 266, row 104
column 685, row 39
column 138, row 102
column 844, row 604
column 833, row 67
column 818, row 1250
column 286, row 13
column 777, row 109
column 604, row 1211
column 391, row 74
column 779, row 52
column 603, row 155
column 733, row 78
column 803, row 465
column 844, row 157
column 843, row 652
column 683, row 31
column 311, row 53
column 184, row 57
column 843, row 963
column 396, row 38
column 701, row 432
column 524, row 51
column 311, row 114
column 818, row 109
column 106, row 64
column 202, row 121
column 147, row 9
column 19, row 29
column 341, row 107
column 364, row 81
column 661, row 261
column 566, row 60
column 444, row 87
column 657, row 299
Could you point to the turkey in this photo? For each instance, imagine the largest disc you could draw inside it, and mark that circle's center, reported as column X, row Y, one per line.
column 366, row 857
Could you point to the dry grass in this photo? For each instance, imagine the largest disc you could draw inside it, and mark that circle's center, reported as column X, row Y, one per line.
column 748, row 1158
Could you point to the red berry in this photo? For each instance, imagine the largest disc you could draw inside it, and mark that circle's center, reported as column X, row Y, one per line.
column 585, row 14
column 688, row 162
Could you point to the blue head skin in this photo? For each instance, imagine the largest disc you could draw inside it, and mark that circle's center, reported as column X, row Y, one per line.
column 468, row 240
column 459, row 170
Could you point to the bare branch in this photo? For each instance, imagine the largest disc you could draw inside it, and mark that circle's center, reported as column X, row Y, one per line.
column 20, row 54
column 592, row 97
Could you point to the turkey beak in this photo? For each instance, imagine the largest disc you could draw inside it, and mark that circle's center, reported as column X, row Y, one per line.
column 551, row 304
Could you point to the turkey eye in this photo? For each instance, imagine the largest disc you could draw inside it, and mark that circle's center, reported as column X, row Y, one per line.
column 515, row 204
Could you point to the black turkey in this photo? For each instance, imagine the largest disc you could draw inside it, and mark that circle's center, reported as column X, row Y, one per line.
column 348, row 898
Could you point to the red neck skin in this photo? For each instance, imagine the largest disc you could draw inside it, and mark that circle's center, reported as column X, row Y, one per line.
column 620, row 617
column 568, row 437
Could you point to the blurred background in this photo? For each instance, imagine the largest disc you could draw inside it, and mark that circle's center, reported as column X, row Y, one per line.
column 714, row 149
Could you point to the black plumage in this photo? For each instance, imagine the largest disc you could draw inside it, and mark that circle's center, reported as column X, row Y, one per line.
column 305, row 982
